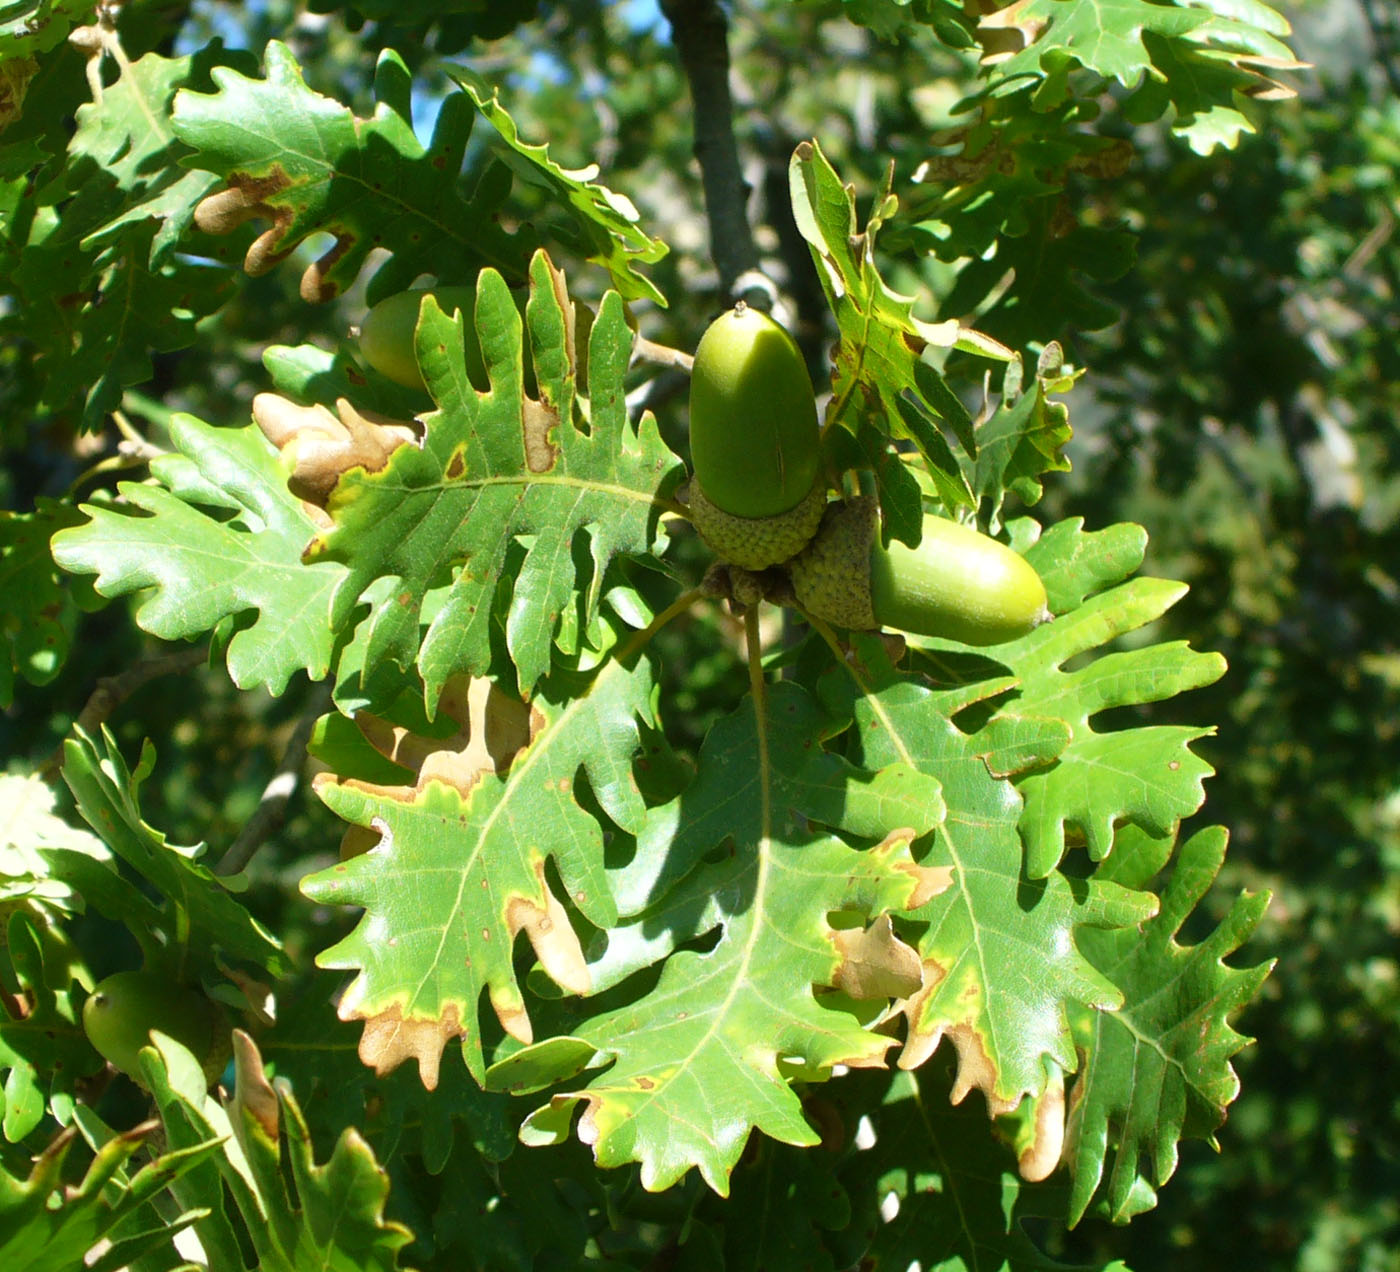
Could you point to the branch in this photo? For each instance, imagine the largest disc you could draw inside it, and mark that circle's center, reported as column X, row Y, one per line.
column 1383, row 37
column 701, row 32
column 271, row 813
column 111, row 691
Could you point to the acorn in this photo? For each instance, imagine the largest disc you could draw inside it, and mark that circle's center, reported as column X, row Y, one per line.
column 756, row 496
column 958, row 583
column 121, row 1011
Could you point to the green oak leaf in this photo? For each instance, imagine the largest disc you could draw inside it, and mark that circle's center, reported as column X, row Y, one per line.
column 1024, row 438
column 296, row 1213
column 40, row 614
column 1074, row 563
column 882, row 388
column 44, row 1052
column 37, row 1235
column 1147, row 775
column 95, row 268
column 784, row 1206
column 201, row 568
column 494, row 468
column 1200, row 57
column 982, row 935
column 318, row 1054
column 460, row 868
column 309, row 165
column 1002, row 194
column 1158, row 1070
column 607, row 222
column 696, row 1061
column 199, row 915
column 35, row 26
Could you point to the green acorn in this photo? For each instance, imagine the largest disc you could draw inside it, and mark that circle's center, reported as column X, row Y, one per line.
column 756, row 497
column 957, row 583
column 121, row 1011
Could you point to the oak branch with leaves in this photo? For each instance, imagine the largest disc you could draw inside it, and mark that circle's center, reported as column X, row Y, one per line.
column 899, row 918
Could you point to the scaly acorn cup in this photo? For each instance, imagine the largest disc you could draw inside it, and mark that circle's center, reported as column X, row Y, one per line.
column 957, row 583
column 756, row 497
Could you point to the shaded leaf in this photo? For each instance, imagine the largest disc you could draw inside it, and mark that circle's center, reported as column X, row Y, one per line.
column 882, row 387
column 95, row 266
column 43, row 1051
column 199, row 915
column 1158, row 1070
column 39, row 1236
column 936, row 1190
column 696, row 1060
column 295, row 1212
column 40, row 614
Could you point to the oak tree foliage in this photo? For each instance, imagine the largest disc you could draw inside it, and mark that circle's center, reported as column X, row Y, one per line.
column 638, row 921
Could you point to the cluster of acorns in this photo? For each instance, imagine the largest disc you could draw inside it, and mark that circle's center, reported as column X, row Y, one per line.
column 758, row 497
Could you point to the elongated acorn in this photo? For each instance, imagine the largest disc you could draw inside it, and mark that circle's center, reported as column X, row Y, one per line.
column 757, row 496
column 957, row 583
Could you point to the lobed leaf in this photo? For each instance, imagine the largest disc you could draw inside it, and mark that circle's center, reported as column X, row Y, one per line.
column 492, row 469
column 43, row 1051
column 40, row 614
column 1003, row 199
column 934, row 1189
column 45, row 1224
column 459, row 869
column 95, row 269
column 882, row 388
column 198, row 915
column 607, row 222
column 1158, row 1070
column 1147, row 775
column 1200, row 58
column 295, row 1212
column 1002, row 969
column 696, row 1062
column 201, row 568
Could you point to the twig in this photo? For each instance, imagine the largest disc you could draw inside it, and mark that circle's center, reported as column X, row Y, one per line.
column 644, row 350
column 701, row 36
column 111, row 691
column 132, row 442
column 271, row 813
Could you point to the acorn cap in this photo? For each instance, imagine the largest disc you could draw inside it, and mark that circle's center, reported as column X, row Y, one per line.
column 755, row 543
column 831, row 577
